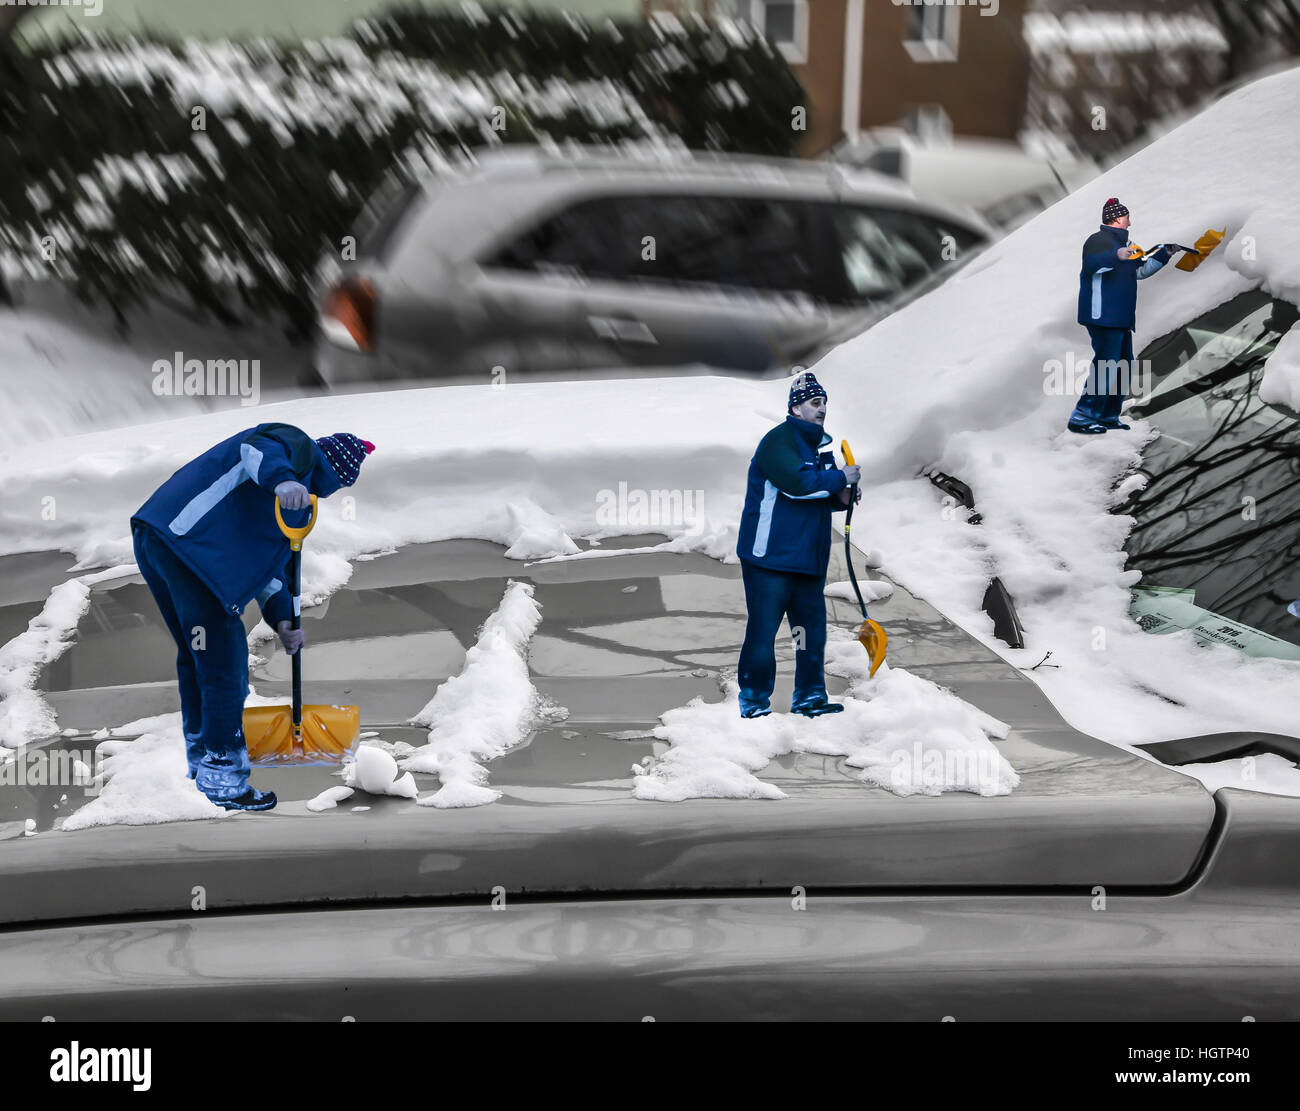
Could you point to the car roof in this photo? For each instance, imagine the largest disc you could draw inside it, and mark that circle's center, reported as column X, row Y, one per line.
column 470, row 206
column 701, row 168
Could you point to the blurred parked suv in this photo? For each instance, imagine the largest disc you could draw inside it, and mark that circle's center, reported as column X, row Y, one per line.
column 539, row 263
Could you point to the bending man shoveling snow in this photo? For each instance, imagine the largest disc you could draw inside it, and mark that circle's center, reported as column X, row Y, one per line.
column 785, row 547
column 207, row 544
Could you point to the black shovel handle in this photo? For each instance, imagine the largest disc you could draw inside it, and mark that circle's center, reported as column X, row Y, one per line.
column 848, row 551
column 295, row 574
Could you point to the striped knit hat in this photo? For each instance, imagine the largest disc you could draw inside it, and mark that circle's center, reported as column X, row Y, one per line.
column 1112, row 210
column 804, row 387
column 345, row 453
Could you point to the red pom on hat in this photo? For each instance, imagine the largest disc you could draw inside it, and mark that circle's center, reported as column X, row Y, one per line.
column 368, row 446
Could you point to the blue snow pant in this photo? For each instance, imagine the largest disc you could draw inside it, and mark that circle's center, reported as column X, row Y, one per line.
column 1102, row 397
column 770, row 596
column 211, row 668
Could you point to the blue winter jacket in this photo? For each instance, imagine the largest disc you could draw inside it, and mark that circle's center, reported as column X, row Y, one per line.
column 1108, row 283
column 217, row 514
column 786, row 522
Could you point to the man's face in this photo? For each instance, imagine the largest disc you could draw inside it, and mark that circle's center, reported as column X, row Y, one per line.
column 813, row 410
column 1122, row 222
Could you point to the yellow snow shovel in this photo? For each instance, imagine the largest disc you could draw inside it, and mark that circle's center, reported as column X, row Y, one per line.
column 1193, row 258
column 280, row 733
column 872, row 636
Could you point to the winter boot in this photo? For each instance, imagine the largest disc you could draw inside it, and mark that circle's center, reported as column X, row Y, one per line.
column 223, row 778
column 251, row 800
column 815, row 707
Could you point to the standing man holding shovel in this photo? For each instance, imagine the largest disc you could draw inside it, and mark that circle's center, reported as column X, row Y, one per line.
column 207, row 543
column 784, row 548
column 1112, row 268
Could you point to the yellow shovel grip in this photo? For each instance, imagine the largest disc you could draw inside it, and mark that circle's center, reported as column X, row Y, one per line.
column 296, row 536
column 844, row 450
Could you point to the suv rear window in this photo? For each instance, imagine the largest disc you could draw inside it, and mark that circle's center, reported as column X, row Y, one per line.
column 883, row 251
column 382, row 217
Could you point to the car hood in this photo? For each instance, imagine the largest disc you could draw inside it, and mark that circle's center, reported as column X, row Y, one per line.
column 1085, row 813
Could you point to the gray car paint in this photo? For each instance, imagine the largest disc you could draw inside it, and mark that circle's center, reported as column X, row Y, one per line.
column 1086, row 812
column 1223, row 950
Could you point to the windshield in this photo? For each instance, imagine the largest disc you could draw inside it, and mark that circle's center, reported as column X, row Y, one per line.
column 1218, row 525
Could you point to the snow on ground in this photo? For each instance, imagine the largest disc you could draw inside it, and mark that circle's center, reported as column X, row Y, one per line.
column 329, row 798
column 24, row 713
column 908, row 736
column 487, row 709
column 955, row 380
column 146, row 780
column 71, row 380
column 873, row 590
column 374, row 771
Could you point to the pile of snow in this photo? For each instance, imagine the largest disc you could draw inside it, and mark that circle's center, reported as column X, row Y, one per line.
column 70, row 380
column 487, row 709
column 24, row 715
column 146, row 780
column 908, row 736
column 536, row 533
column 329, row 798
column 873, row 590
column 375, row 772
column 548, row 478
column 1281, row 384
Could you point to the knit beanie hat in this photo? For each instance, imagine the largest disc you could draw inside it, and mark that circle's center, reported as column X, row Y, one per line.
column 804, row 387
column 1112, row 210
column 345, row 453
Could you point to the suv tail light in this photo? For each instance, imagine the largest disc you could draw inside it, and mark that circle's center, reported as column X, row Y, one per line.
column 347, row 316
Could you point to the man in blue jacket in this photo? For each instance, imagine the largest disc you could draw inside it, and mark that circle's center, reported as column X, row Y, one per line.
column 784, row 547
column 207, row 544
column 1108, row 309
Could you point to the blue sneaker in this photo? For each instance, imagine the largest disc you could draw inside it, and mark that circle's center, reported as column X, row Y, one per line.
column 1087, row 428
column 755, row 712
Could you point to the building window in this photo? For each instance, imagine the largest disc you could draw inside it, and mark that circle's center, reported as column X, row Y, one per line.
column 1105, row 68
column 931, row 34
column 785, row 22
column 1137, row 78
column 1062, row 68
column 1174, row 69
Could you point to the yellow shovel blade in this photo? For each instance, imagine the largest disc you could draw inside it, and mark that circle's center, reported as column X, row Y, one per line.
column 1204, row 246
column 328, row 732
column 874, row 639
